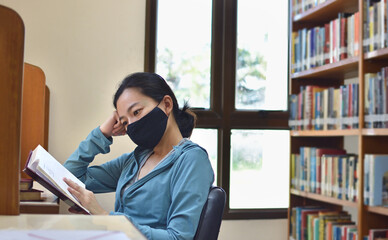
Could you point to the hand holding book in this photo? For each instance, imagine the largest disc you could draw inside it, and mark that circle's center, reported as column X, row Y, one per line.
column 46, row 170
column 85, row 197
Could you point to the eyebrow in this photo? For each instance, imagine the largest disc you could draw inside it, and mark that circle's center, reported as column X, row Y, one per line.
column 129, row 109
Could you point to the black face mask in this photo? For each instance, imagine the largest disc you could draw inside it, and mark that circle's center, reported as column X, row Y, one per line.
column 147, row 131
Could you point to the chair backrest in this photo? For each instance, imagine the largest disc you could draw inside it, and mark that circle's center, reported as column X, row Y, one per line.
column 211, row 216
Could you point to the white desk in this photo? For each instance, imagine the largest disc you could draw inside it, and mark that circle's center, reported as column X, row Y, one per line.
column 71, row 222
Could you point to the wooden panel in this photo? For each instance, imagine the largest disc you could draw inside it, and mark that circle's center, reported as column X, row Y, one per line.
column 376, row 220
column 323, row 13
column 378, row 210
column 346, row 68
column 297, row 200
column 375, row 131
column 380, row 54
column 298, row 82
column 11, row 78
column 46, row 117
column 39, row 209
column 33, row 111
column 322, row 198
column 327, row 142
column 325, row 133
column 375, row 144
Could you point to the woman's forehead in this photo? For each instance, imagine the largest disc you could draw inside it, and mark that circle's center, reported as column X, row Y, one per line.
column 131, row 96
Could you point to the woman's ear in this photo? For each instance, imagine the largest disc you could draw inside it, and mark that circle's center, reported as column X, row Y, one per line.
column 168, row 104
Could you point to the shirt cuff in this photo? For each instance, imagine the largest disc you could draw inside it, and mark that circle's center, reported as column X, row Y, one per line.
column 100, row 135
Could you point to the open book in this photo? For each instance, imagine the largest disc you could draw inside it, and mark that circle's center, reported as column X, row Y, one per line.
column 46, row 170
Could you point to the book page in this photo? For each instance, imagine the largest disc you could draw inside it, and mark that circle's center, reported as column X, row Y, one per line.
column 53, row 170
column 63, row 234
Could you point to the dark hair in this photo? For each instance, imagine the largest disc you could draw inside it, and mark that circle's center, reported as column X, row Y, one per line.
column 155, row 87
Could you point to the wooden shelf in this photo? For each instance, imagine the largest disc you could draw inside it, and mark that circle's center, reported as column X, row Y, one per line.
column 323, row 198
column 380, row 54
column 346, row 68
column 375, row 132
column 325, row 133
column 378, row 210
column 369, row 140
column 324, row 12
column 327, row 11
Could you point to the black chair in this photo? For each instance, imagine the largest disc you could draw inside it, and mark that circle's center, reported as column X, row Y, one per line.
column 211, row 215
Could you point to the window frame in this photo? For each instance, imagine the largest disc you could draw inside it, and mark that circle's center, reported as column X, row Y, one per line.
column 222, row 114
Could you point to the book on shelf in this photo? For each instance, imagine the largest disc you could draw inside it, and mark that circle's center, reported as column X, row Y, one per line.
column 375, row 25
column 31, row 195
column 301, row 6
column 375, row 234
column 317, row 222
column 376, row 107
column 326, row 217
column 46, row 170
column 304, row 217
column 26, row 183
column 376, row 180
column 299, row 226
column 329, row 43
column 310, row 225
column 326, row 171
column 324, row 108
column 339, row 176
column 348, row 231
column 334, row 229
column 319, row 153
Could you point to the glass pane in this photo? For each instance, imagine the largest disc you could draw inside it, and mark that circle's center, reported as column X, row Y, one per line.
column 259, row 172
column 207, row 138
column 184, row 49
column 262, row 53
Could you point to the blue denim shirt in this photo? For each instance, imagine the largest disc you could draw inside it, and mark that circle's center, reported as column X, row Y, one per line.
column 164, row 204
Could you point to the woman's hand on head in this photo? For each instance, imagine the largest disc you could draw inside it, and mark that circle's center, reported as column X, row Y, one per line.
column 85, row 197
column 113, row 126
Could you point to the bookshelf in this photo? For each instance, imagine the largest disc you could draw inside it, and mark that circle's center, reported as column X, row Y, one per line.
column 369, row 140
column 328, row 9
column 321, row 133
column 344, row 68
column 322, row 198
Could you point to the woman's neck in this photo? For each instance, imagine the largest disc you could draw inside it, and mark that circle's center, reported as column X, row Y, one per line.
column 171, row 138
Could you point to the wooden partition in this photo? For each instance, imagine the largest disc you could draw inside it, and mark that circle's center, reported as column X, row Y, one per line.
column 34, row 112
column 46, row 117
column 11, row 78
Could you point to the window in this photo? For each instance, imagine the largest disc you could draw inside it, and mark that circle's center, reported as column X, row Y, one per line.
column 258, row 165
column 229, row 60
column 184, row 49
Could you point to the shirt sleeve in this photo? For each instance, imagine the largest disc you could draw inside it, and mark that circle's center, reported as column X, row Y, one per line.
column 98, row 179
column 190, row 185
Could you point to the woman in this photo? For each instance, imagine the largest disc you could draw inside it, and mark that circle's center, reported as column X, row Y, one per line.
column 163, row 184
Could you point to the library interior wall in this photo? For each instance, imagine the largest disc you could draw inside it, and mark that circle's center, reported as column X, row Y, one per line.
column 85, row 48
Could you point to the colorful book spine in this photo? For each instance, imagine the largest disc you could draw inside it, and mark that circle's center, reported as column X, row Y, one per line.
column 329, row 172
column 375, row 25
column 300, row 6
column 375, row 92
column 328, row 108
column 331, row 42
column 376, row 179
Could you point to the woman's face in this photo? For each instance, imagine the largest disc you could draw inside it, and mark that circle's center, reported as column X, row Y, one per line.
column 133, row 105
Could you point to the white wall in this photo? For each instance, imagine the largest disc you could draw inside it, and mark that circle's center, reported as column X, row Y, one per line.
column 253, row 230
column 85, row 49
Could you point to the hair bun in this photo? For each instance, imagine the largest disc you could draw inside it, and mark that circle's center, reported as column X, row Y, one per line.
column 186, row 120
